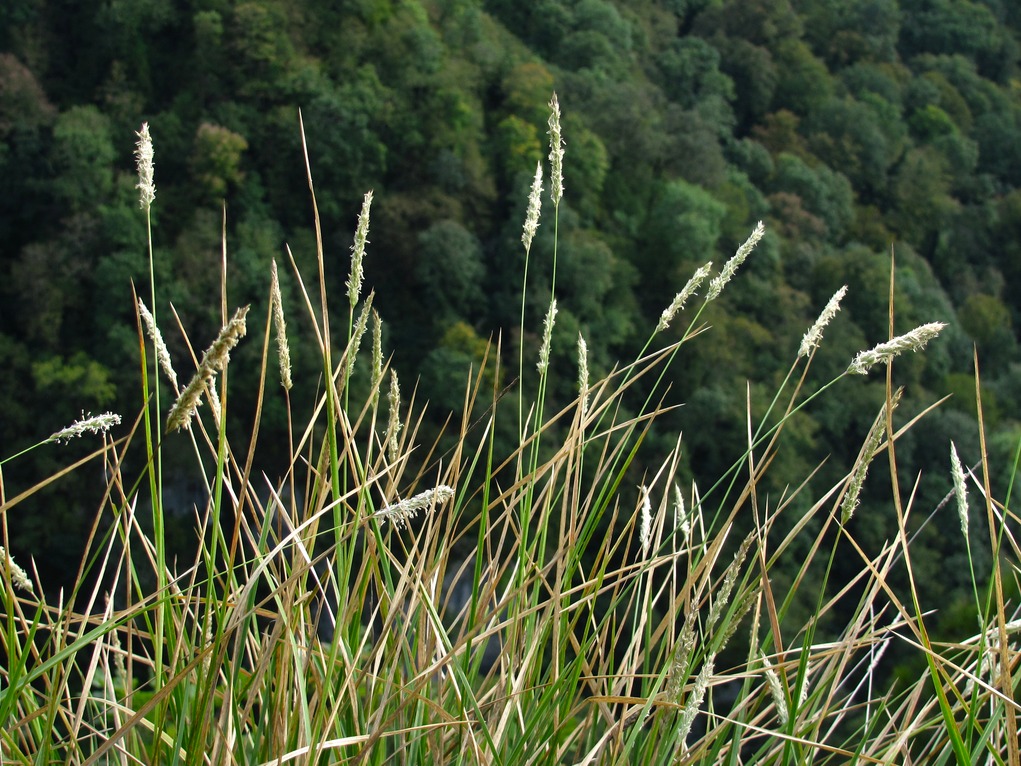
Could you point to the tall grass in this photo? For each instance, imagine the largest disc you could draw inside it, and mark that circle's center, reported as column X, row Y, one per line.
column 330, row 614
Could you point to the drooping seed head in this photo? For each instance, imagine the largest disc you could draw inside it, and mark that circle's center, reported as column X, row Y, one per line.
column 162, row 353
column 884, row 352
column 96, row 424
column 400, row 513
column 19, row 577
column 214, row 360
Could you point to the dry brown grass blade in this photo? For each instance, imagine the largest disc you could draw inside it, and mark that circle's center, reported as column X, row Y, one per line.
column 1005, row 680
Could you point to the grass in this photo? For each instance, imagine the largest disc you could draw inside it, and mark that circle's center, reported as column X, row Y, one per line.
column 531, row 607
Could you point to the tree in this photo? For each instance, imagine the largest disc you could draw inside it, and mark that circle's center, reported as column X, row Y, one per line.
column 216, row 160
column 450, row 271
column 679, row 235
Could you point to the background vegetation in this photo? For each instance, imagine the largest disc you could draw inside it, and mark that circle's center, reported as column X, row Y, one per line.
column 853, row 129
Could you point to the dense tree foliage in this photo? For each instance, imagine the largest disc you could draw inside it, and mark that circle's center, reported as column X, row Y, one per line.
column 853, row 129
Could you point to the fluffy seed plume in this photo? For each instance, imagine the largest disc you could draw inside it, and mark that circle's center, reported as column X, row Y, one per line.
column 645, row 531
column 694, row 701
column 682, row 297
column 682, row 653
column 729, row 580
column 861, row 466
column 377, row 355
column 283, row 350
column 884, row 352
column 95, row 424
column 393, row 426
column 960, row 489
column 813, row 337
column 681, row 519
column 400, row 513
column 354, row 280
column 361, row 325
column 213, row 360
column 547, row 334
column 19, row 577
column 583, row 373
column 556, row 154
column 162, row 354
column 775, row 690
column 143, row 155
column 534, row 206
column 731, row 266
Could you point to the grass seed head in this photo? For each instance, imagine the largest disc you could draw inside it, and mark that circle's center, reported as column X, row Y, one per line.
column 95, row 424
column 884, row 352
column 283, row 350
column 162, row 353
column 534, row 207
column 813, row 337
column 144, row 155
column 400, row 513
column 960, row 489
column 354, row 280
column 731, row 266
column 19, row 577
column 682, row 297
column 556, row 154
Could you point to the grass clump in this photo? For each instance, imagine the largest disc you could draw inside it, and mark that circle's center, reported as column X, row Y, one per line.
column 382, row 600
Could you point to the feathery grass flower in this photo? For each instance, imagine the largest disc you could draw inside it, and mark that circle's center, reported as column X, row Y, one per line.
column 534, row 207
column 19, row 577
column 861, row 467
column 729, row 579
column 214, row 360
column 731, row 266
column 773, row 682
column 377, row 355
column 645, row 531
column 960, row 489
column 884, row 352
column 682, row 653
column 359, row 331
column 682, row 520
column 400, row 513
column 144, row 155
column 283, row 350
column 556, row 154
column 354, row 280
column 547, row 334
column 682, row 297
column 393, row 426
column 813, row 337
column 695, row 699
column 162, row 353
column 583, row 373
column 88, row 424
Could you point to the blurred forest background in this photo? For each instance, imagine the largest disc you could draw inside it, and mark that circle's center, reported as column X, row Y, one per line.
column 852, row 129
